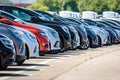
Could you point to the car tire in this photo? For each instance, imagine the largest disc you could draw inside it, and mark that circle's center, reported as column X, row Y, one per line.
column 85, row 46
column 3, row 62
column 61, row 45
column 20, row 62
column 99, row 42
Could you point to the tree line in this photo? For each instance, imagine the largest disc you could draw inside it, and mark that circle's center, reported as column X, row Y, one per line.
column 77, row 5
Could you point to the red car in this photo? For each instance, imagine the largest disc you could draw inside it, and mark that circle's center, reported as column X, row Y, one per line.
column 39, row 33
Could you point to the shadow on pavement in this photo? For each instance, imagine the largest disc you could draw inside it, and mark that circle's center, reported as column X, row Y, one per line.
column 11, row 74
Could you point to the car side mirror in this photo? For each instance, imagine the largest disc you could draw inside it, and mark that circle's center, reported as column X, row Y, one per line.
column 99, row 25
column 34, row 19
column 5, row 21
column 18, row 20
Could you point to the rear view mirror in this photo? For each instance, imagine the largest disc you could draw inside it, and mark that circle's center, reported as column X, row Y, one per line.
column 99, row 25
column 18, row 20
column 34, row 19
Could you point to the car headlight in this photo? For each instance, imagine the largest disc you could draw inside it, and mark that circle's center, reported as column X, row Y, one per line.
column 7, row 42
column 42, row 33
column 30, row 36
column 65, row 28
column 16, row 32
column 54, row 33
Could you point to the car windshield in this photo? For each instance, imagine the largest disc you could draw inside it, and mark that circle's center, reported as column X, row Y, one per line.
column 112, row 23
column 90, row 22
column 108, row 25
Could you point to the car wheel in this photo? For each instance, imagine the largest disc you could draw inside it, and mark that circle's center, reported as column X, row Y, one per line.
column 3, row 62
column 61, row 45
column 85, row 45
column 20, row 62
column 99, row 42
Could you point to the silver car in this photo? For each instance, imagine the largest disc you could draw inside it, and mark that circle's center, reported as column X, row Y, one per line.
column 53, row 37
column 31, row 44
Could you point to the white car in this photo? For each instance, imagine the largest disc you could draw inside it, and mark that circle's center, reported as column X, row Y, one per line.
column 89, row 15
column 31, row 43
column 110, row 14
column 70, row 14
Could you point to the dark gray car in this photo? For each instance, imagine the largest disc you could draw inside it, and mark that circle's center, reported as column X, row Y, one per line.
column 16, row 37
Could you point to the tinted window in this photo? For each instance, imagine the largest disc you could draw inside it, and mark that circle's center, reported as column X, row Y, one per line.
column 8, row 16
column 20, row 14
column 90, row 22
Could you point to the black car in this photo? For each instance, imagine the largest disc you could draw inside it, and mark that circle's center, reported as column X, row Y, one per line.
column 7, row 52
column 18, row 41
column 81, row 31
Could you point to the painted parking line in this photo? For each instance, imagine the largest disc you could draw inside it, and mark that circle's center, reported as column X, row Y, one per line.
column 31, row 67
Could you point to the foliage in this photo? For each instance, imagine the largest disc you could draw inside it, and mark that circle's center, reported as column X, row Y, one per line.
column 78, row 5
column 38, row 6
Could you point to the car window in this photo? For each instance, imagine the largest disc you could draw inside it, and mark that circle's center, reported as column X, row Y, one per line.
column 90, row 22
column 48, row 17
column 8, row 16
column 20, row 14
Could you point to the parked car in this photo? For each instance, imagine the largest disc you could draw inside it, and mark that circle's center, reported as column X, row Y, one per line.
column 29, row 16
column 16, row 37
column 7, row 52
column 89, row 15
column 53, row 37
column 31, row 43
column 110, row 14
column 70, row 14
column 107, row 25
column 52, row 34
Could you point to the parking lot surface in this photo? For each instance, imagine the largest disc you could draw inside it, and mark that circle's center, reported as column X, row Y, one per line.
column 91, row 64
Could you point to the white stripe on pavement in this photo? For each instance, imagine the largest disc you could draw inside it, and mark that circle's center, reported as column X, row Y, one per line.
column 19, row 72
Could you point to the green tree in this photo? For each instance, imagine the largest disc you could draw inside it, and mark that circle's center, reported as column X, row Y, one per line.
column 38, row 6
column 71, row 5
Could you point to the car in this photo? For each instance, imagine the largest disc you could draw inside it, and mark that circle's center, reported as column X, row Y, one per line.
column 18, row 41
column 52, row 34
column 7, row 52
column 61, row 29
column 89, row 15
column 110, row 14
column 69, row 14
column 31, row 43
